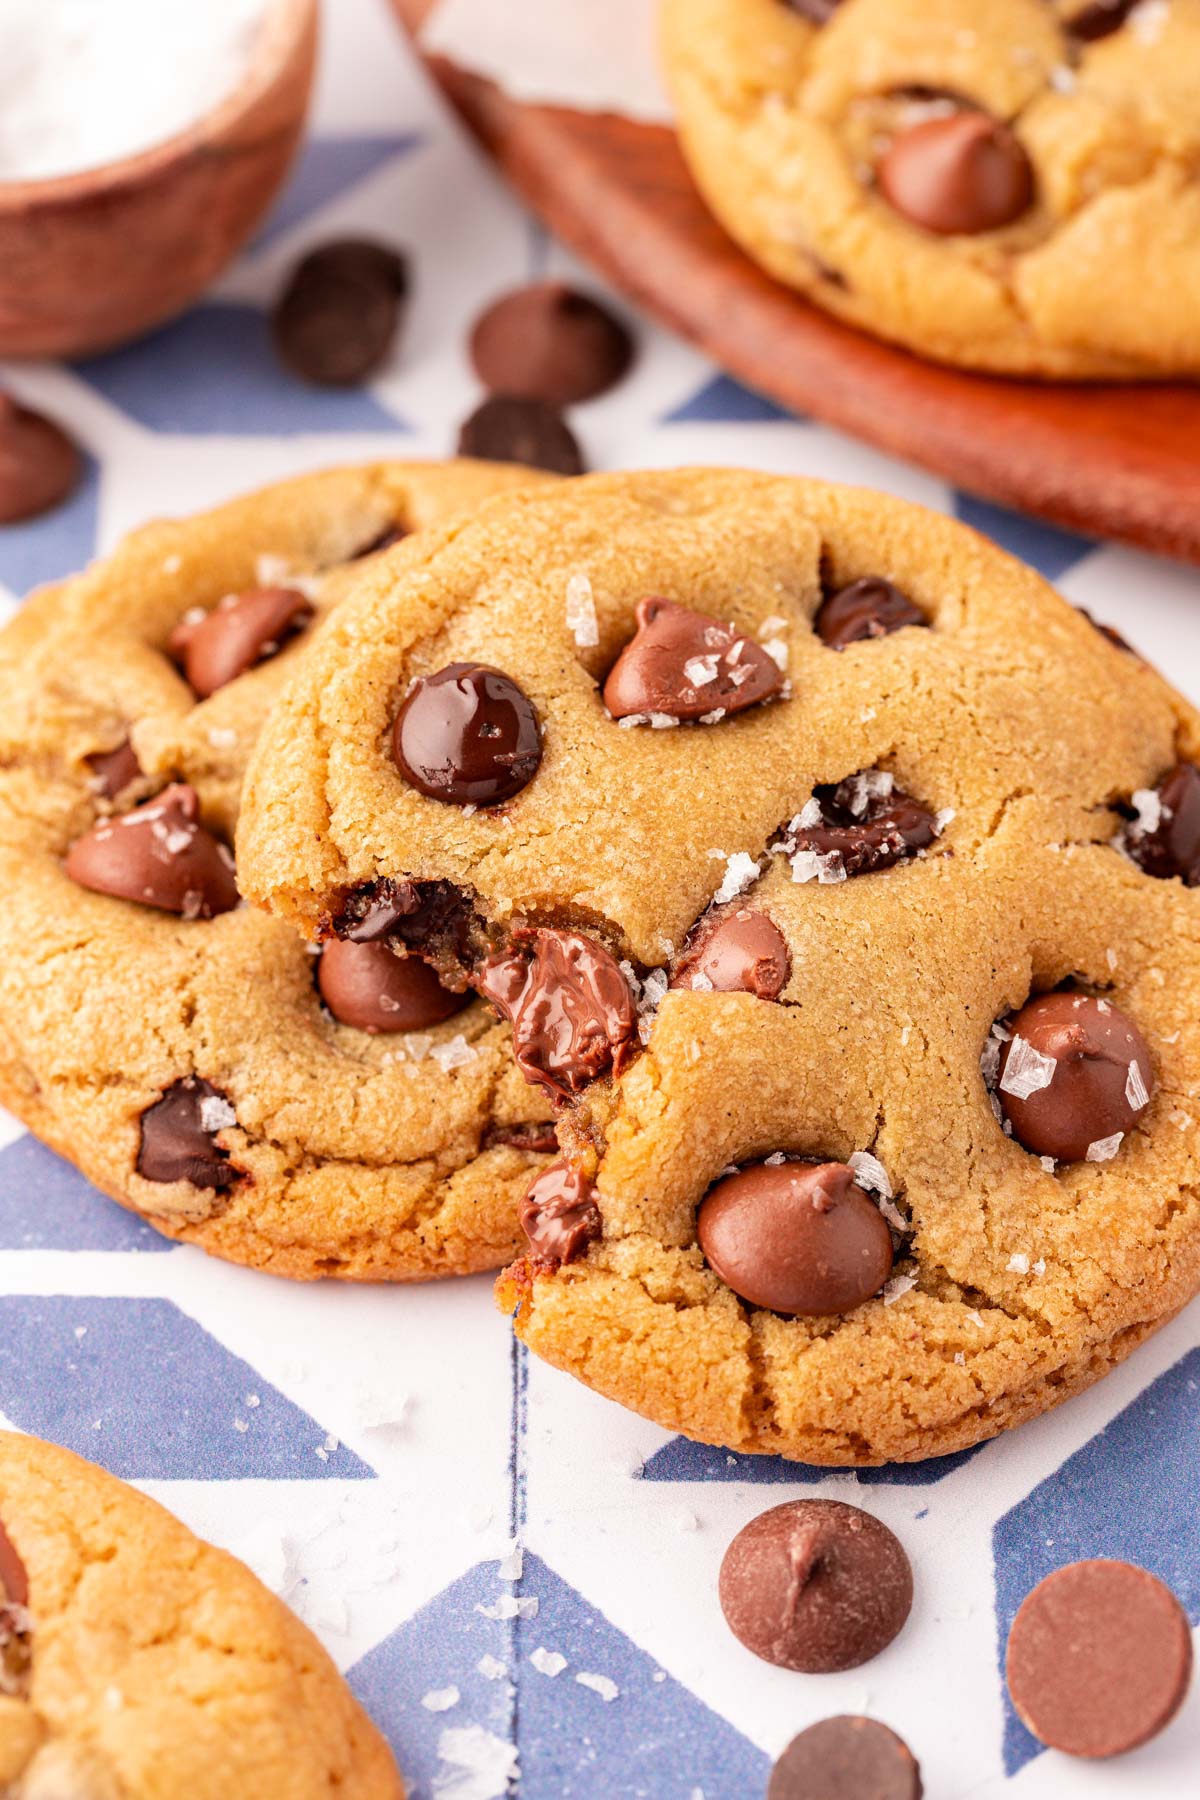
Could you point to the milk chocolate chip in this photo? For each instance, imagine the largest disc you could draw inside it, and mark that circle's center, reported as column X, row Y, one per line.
column 240, row 631
column 16, row 1636
column 1165, row 839
column 39, row 465
column 795, row 1237
column 967, row 173
column 1075, row 1076
column 178, row 1141
column 559, row 1215
column 113, row 770
column 1099, row 19
column 868, row 608
column 510, row 429
column 815, row 1585
column 158, row 854
column 846, row 1758
column 864, row 824
column 738, row 951
column 688, row 665
column 372, row 988
column 336, row 319
column 1099, row 1658
column 549, row 342
column 571, row 1010
column 467, row 735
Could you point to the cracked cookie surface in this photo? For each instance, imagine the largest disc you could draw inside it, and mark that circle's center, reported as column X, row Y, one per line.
column 154, row 1664
column 928, row 824
column 1010, row 187
column 190, row 1065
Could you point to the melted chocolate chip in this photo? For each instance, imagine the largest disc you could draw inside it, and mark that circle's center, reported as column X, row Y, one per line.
column 737, row 951
column 864, row 824
column 967, row 173
column 243, row 629
column 508, row 429
column 795, row 1237
column 336, row 319
column 39, row 465
column 846, row 1758
column 178, row 1141
column 114, row 770
column 467, row 735
column 160, row 855
column 1099, row 19
column 1171, row 847
column 541, row 1139
column 430, row 917
column 868, row 608
column 549, row 342
column 370, row 987
column 815, row 1585
column 688, row 665
column 1075, row 1076
column 570, row 1007
column 559, row 1215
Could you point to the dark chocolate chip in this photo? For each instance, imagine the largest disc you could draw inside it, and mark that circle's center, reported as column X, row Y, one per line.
column 868, row 608
column 14, row 1581
column 114, row 770
column 214, row 648
column 815, row 1585
column 431, row 917
column 158, row 854
column 688, row 665
column 541, row 1139
column 1099, row 19
column 336, row 319
column 559, row 1215
column 178, row 1141
column 467, row 735
column 1075, row 1076
column 39, row 465
column 864, row 824
column 508, row 429
column 1099, row 1658
column 846, row 1759
column 1171, row 847
column 374, row 989
column 817, row 12
column 795, row 1237
column 739, row 950
column 966, row 173
column 549, row 342
column 570, row 1007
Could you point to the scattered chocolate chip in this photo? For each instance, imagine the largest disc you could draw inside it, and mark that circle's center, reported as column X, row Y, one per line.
column 1099, row 19
column 541, row 1139
column 179, row 1133
column 559, row 1215
column 374, row 989
column 1165, row 839
column 335, row 320
column 682, row 664
column 966, row 173
column 846, row 1759
column 215, row 647
column 864, row 824
column 113, row 770
column 549, row 342
column 506, row 428
column 158, row 854
column 570, row 1007
column 795, row 1237
column 1075, row 1076
column 467, row 735
column 39, row 465
column 815, row 1585
column 1099, row 1658
column 817, row 12
column 737, row 951
column 16, row 1632
column 868, row 608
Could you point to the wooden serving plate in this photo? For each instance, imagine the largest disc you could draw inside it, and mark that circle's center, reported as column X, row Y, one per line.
column 1107, row 460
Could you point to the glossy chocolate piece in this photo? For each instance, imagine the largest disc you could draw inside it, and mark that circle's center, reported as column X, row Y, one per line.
column 178, row 1136
column 687, row 665
column 467, row 736
column 559, row 1215
column 1075, row 1076
column 374, row 989
column 960, row 175
column 570, row 1007
column 242, row 630
column 160, row 855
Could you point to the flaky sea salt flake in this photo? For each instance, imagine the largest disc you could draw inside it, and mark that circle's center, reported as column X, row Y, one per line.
column 741, row 871
column 216, row 1113
column 599, row 1684
column 1027, row 1071
column 441, row 1699
column 547, row 1662
column 1018, row 1263
column 1104, row 1149
column 897, row 1287
column 491, row 1668
column 870, row 1173
column 582, row 622
column 474, row 1764
column 1136, row 1093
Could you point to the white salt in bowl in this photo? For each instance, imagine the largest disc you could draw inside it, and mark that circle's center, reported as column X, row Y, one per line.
column 93, row 259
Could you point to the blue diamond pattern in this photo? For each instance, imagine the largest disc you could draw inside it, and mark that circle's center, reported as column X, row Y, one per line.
column 49, row 1205
column 328, row 168
column 682, row 1460
column 57, row 544
column 1048, row 547
column 724, row 401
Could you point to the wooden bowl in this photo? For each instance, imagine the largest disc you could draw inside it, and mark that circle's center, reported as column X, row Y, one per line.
column 92, row 259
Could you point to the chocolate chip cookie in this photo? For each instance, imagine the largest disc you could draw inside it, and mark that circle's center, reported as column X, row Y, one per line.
column 138, row 1662
column 837, row 879
column 1010, row 187
column 343, row 1114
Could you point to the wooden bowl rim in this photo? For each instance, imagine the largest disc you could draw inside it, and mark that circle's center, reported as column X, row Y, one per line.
column 285, row 24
